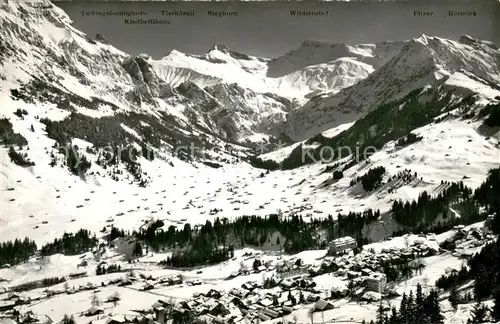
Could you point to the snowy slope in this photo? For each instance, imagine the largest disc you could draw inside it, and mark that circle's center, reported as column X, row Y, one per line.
column 313, row 52
column 215, row 99
column 79, row 66
column 423, row 61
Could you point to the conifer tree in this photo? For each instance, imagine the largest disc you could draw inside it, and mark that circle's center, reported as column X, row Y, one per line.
column 454, row 297
column 403, row 314
column 419, row 302
column 380, row 314
column 479, row 313
column 410, row 309
column 434, row 310
column 68, row 320
column 495, row 312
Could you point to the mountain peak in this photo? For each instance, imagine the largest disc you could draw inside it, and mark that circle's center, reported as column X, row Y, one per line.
column 469, row 40
column 220, row 47
column 232, row 53
column 423, row 38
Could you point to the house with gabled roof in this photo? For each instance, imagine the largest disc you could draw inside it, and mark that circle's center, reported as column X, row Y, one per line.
column 322, row 305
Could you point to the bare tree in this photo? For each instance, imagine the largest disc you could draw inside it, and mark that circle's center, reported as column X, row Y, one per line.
column 94, row 299
column 115, row 298
column 426, row 281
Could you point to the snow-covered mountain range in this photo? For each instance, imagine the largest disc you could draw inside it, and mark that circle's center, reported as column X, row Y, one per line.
column 94, row 138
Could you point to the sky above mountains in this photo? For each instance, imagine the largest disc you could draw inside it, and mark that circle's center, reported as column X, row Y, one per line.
column 267, row 29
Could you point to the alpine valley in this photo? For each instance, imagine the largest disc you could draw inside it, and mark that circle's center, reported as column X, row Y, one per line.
column 337, row 183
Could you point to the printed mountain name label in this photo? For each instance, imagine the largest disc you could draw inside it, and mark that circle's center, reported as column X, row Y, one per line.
column 128, row 13
column 461, row 13
column 183, row 13
column 152, row 21
column 308, row 13
column 222, row 13
column 422, row 13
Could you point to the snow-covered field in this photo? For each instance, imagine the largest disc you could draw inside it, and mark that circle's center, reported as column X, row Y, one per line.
column 186, row 193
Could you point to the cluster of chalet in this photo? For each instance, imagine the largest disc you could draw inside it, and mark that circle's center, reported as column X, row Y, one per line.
column 247, row 304
column 295, row 287
column 292, row 286
column 151, row 282
column 464, row 239
column 28, row 318
column 11, row 300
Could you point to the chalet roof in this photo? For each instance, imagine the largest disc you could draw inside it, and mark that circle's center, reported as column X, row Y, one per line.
column 263, row 317
column 376, row 276
column 266, row 302
column 343, row 240
column 94, row 310
column 321, row 304
column 117, row 319
column 7, row 303
column 271, row 313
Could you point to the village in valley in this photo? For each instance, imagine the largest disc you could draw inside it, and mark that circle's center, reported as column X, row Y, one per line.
column 279, row 179
column 343, row 283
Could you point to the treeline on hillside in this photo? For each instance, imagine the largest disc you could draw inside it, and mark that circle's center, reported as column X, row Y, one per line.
column 483, row 268
column 425, row 209
column 114, row 233
column 493, row 112
column 102, row 269
column 419, row 214
column 20, row 159
column 8, row 136
column 215, row 242
column 408, row 139
column 269, row 165
column 71, row 244
column 415, row 308
column 77, row 163
column 391, row 120
column 204, row 243
column 199, row 255
column 337, row 175
column 372, row 179
column 17, row 251
column 488, row 192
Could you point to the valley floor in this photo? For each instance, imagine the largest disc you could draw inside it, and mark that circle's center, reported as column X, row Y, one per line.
column 218, row 277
